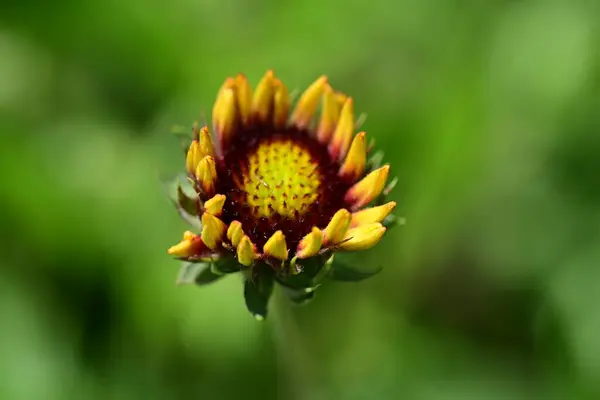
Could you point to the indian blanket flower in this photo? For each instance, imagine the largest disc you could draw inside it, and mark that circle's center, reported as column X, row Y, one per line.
column 277, row 189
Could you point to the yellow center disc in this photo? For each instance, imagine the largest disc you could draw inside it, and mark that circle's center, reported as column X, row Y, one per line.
column 282, row 179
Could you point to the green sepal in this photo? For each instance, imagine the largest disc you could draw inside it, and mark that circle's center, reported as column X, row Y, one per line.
column 382, row 198
column 257, row 292
column 343, row 272
column 188, row 204
column 226, row 265
column 392, row 221
column 300, row 296
column 185, row 140
column 375, row 161
column 198, row 273
column 306, row 272
column 324, row 272
column 176, row 187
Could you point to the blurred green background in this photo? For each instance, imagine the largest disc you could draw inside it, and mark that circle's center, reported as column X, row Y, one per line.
column 488, row 111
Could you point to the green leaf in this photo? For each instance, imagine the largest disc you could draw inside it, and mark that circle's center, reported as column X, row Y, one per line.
column 199, row 273
column 257, row 291
column 343, row 272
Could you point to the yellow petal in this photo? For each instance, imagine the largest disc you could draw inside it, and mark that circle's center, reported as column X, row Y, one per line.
column 363, row 237
column 206, row 174
column 206, row 145
column 356, row 160
column 368, row 188
column 310, row 244
column 276, row 246
column 244, row 97
column 341, row 98
column 181, row 249
column 229, row 84
column 342, row 136
column 308, row 103
column 214, row 206
column 235, row 232
column 191, row 245
column 225, row 114
column 193, row 157
column 263, row 97
column 337, row 227
column 372, row 214
column 188, row 235
column 246, row 252
column 213, row 230
column 330, row 114
column 282, row 104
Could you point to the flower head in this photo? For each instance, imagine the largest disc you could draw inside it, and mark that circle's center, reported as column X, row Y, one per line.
column 279, row 190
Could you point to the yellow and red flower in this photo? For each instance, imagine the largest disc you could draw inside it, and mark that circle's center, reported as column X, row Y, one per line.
column 277, row 188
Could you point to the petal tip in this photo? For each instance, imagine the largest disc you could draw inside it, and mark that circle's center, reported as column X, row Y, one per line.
column 276, row 246
column 215, row 204
column 323, row 80
column 190, row 245
column 310, row 244
column 337, row 227
column 235, row 232
column 363, row 237
column 213, row 230
column 368, row 188
column 246, row 252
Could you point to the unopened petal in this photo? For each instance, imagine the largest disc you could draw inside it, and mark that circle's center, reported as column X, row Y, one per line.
column 355, row 161
column 363, row 237
column 372, row 214
column 281, row 107
column 262, row 101
column 310, row 244
column 193, row 157
column 189, row 235
column 214, row 205
column 337, row 227
column 235, row 232
column 229, row 84
column 276, row 246
column 308, row 103
column 213, row 230
column 244, row 97
column 330, row 113
column 225, row 114
column 206, row 174
column 368, row 188
column 342, row 136
column 206, row 145
column 191, row 245
column 246, row 252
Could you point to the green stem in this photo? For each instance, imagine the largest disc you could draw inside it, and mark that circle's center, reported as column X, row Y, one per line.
column 298, row 373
